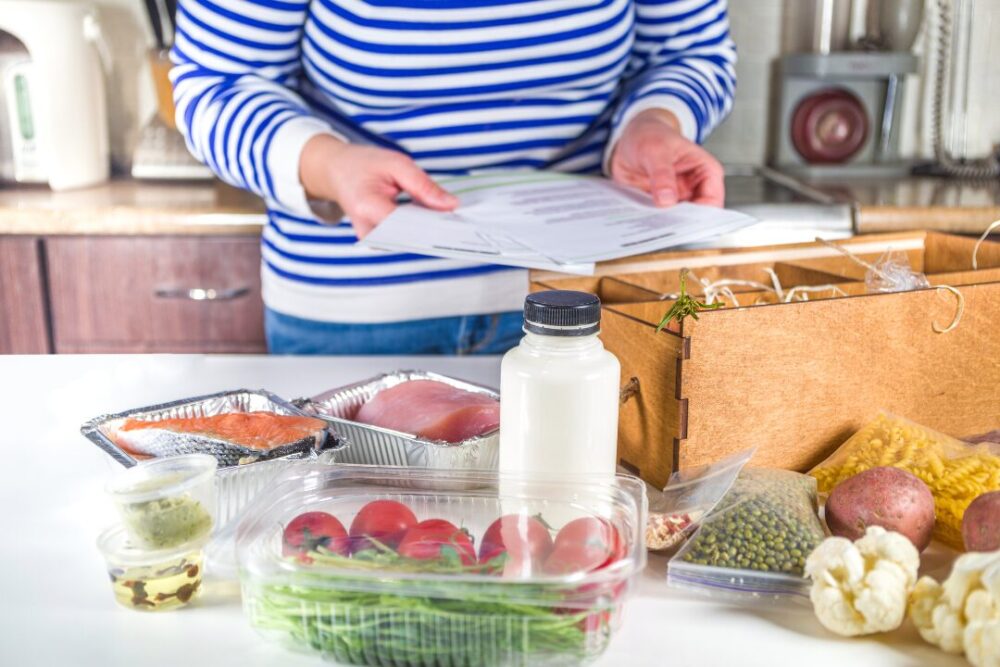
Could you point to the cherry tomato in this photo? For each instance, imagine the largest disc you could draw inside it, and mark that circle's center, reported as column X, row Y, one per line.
column 520, row 537
column 437, row 538
column 311, row 530
column 592, row 532
column 514, row 566
column 583, row 545
column 572, row 558
column 383, row 520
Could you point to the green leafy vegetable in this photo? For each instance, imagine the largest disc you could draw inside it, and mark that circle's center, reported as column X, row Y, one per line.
column 685, row 305
column 336, row 615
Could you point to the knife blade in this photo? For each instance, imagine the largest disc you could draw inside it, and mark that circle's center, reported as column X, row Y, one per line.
column 155, row 20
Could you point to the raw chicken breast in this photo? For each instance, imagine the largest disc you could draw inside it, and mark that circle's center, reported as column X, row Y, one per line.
column 432, row 410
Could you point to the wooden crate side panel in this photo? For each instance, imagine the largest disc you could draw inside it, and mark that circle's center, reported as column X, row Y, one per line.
column 664, row 283
column 791, row 275
column 648, row 312
column 965, row 277
column 946, row 253
column 847, row 270
column 651, row 312
column 762, row 298
column 668, row 282
column 589, row 284
column 615, row 291
column 608, row 291
column 796, row 380
column 649, row 424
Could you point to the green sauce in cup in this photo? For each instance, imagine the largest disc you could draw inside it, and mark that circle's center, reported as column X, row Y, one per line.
column 167, row 522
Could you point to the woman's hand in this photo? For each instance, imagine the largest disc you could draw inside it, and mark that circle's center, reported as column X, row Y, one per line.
column 654, row 156
column 365, row 181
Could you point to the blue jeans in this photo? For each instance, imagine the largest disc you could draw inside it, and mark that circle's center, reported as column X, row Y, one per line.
column 471, row 334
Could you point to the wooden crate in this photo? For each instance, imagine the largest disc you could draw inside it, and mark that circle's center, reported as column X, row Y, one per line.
column 796, row 379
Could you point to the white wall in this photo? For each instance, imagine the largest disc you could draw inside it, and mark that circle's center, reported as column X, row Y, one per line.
column 757, row 28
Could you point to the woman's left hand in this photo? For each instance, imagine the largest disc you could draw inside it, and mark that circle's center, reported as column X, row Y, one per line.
column 654, row 156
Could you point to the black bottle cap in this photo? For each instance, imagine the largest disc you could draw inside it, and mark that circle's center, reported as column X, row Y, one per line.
column 562, row 313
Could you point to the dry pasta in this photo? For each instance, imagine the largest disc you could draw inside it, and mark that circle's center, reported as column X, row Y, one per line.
column 955, row 472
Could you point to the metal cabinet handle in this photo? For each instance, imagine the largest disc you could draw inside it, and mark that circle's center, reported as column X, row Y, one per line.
column 201, row 293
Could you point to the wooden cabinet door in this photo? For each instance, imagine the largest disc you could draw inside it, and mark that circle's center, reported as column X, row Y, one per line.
column 156, row 294
column 23, row 316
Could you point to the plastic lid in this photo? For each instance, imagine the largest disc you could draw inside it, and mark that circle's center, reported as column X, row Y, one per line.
column 158, row 478
column 118, row 549
column 562, row 313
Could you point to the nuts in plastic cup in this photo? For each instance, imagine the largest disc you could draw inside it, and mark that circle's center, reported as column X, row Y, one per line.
column 165, row 503
column 151, row 580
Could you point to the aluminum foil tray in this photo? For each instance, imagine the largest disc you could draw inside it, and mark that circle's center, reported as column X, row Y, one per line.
column 235, row 485
column 373, row 445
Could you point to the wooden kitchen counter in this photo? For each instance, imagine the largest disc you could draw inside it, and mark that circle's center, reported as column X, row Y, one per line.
column 890, row 205
column 129, row 207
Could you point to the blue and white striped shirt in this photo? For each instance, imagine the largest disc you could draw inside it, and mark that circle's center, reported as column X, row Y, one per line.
column 459, row 85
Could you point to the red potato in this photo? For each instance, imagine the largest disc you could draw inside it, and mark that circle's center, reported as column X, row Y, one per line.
column 888, row 497
column 981, row 523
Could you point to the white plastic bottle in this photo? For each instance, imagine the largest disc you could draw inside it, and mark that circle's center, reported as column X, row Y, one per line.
column 559, row 390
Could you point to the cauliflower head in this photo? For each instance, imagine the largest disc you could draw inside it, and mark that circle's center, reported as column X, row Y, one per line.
column 963, row 613
column 862, row 587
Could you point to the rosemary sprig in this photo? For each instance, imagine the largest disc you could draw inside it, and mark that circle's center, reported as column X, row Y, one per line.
column 685, row 305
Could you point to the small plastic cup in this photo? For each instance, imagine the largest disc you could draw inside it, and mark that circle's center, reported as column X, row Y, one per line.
column 151, row 580
column 165, row 503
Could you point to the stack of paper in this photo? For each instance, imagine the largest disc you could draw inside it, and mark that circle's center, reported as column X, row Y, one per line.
column 548, row 220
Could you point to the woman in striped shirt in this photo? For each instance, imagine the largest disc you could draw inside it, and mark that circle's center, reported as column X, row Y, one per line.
column 308, row 102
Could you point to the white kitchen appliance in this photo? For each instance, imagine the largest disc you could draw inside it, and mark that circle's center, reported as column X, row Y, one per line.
column 53, row 114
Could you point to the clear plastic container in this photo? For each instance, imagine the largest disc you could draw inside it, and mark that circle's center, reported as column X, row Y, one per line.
column 378, row 607
column 151, row 580
column 165, row 503
column 236, row 487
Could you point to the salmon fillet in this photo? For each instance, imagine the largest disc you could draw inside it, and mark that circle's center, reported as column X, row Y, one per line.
column 259, row 430
column 432, row 410
column 232, row 438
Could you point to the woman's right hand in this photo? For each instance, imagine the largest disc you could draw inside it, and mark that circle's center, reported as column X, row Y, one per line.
column 365, row 181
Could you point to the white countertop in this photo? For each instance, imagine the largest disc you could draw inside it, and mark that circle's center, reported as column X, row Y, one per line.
column 56, row 606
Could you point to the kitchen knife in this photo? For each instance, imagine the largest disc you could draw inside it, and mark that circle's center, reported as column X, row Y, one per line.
column 153, row 10
column 170, row 14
